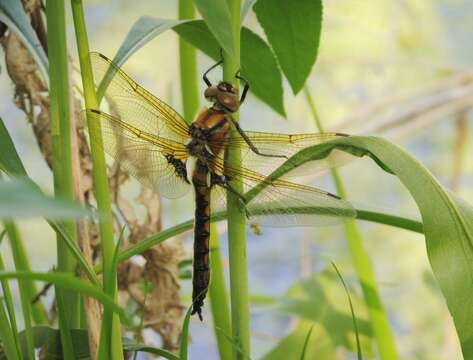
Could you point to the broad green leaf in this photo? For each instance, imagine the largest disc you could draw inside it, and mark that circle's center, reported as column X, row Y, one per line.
column 293, row 30
column 258, row 64
column 216, row 15
column 21, row 199
column 448, row 221
column 10, row 162
column 14, row 16
column 259, row 67
column 321, row 348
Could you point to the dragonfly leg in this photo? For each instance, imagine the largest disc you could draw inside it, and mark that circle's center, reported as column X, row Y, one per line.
column 246, row 86
column 250, row 144
column 223, row 181
column 179, row 167
column 220, row 62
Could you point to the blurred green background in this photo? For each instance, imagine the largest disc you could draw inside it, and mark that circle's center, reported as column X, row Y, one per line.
column 383, row 67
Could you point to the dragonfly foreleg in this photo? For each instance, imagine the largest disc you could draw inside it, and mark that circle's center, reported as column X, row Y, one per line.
column 179, row 167
column 250, row 144
column 224, row 182
column 246, row 86
column 220, row 62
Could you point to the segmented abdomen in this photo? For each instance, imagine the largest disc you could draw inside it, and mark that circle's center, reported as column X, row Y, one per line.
column 201, row 273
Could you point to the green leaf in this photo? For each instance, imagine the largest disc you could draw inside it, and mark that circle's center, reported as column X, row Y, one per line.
column 70, row 282
column 448, row 221
column 130, row 347
column 14, row 16
column 259, row 67
column 143, row 30
column 246, row 8
column 216, row 15
column 21, row 199
column 293, row 30
column 10, row 162
column 49, row 341
column 258, row 64
column 321, row 349
column 257, row 60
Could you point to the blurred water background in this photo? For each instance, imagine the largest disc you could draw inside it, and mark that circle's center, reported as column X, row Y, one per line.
column 372, row 53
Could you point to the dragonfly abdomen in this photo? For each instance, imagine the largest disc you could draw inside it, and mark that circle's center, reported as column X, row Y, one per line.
column 201, row 266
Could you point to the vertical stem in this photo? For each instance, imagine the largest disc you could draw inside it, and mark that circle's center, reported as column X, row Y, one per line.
column 240, row 308
column 188, row 66
column 102, row 194
column 29, row 289
column 218, row 297
column 363, row 267
column 68, row 301
column 13, row 235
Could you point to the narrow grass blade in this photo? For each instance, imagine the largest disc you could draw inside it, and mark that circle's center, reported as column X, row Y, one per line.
column 70, row 282
column 183, row 347
column 8, row 298
column 306, row 343
column 352, row 310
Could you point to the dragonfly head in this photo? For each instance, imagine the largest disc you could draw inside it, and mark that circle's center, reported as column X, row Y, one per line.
column 224, row 96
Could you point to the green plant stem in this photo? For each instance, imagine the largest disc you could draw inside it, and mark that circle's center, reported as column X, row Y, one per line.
column 102, row 194
column 364, row 269
column 218, row 297
column 20, row 259
column 14, row 236
column 62, row 154
column 240, row 308
column 10, row 326
column 188, row 66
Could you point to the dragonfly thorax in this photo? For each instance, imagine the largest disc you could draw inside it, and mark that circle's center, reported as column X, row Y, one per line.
column 224, row 96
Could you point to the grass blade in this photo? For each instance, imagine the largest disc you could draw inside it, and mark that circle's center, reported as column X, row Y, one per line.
column 8, row 327
column 352, row 310
column 183, row 347
column 306, row 343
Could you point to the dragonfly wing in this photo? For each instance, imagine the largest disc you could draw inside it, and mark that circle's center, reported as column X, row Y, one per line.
column 286, row 145
column 134, row 104
column 283, row 203
column 143, row 155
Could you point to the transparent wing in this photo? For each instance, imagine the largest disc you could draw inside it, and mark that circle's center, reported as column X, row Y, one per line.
column 283, row 203
column 143, row 154
column 286, row 145
column 135, row 105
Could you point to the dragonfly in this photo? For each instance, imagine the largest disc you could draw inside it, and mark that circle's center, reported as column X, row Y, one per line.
column 162, row 151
